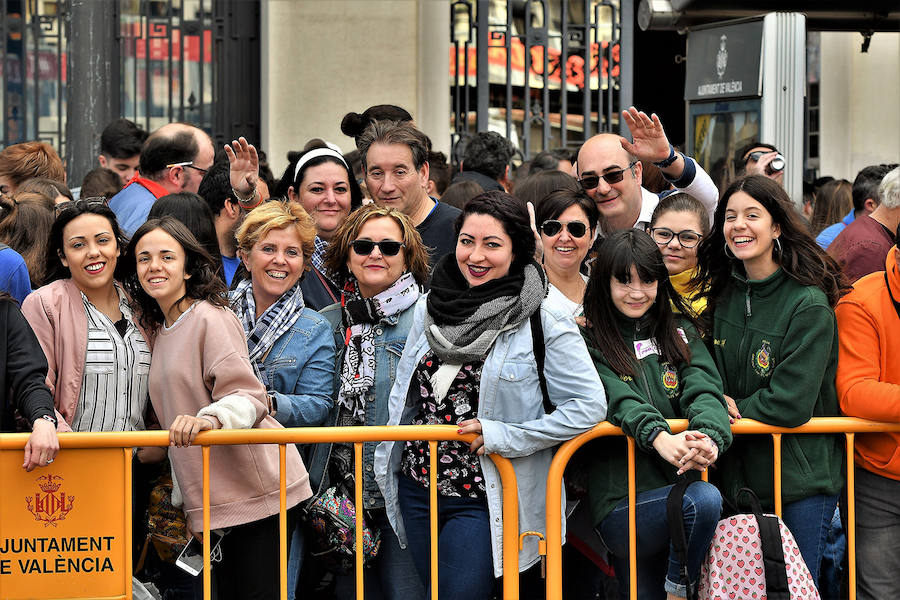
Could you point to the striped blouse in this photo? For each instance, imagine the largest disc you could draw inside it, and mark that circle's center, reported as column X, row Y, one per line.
column 114, row 388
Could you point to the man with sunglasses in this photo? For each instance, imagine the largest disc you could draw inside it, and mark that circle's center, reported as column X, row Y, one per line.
column 609, row 170
column 173, row 159
column 761, row 159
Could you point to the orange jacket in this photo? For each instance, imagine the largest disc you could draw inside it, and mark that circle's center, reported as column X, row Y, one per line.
column 868, row 374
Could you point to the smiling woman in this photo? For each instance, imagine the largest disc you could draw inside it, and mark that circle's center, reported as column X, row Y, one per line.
column 771, row 295
column 469, row 361
column 201, row 378
column 99, row 359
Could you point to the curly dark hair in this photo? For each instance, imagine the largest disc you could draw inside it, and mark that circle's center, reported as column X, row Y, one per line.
column 203, row 283
column 512, row 214
column 488, row 153
column 800, row 256
column 617, row 253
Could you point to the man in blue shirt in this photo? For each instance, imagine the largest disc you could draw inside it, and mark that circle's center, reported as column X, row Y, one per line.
column 227, row 214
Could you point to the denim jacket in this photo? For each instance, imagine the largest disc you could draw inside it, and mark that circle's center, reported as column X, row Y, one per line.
column 390, row 338
column 300, row 367
column 513, row 421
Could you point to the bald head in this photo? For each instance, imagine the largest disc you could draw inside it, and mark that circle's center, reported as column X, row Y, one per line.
column 618, row 197
column 186, row 146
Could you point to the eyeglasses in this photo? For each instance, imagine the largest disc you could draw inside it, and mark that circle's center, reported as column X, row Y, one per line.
column 551, row 227
column 80, row 203
column 591, row 181
column 386, row 247
column 664, row 236
column 189, row 164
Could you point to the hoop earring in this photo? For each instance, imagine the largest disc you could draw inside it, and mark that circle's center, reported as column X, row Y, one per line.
column 778, row 247
column 728, row 256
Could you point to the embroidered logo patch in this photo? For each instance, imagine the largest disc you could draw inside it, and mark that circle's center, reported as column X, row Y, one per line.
column 670, row 380
column 762, row 359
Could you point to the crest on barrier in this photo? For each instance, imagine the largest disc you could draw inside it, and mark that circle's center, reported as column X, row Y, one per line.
column 50, row 504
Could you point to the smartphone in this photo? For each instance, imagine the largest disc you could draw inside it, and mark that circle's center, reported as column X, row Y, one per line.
column 191, row 558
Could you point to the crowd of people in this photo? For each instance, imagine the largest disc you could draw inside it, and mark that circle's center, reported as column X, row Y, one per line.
column 188, row 290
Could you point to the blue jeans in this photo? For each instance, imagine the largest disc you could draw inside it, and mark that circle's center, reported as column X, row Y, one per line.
column 465, row 564
column 657, row 566
column 391, row 576
column 295, row 560
column 810, row 522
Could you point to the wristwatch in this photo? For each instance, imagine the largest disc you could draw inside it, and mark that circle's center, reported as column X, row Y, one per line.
column 668, row 161
column 52, row 419
column 653, row 433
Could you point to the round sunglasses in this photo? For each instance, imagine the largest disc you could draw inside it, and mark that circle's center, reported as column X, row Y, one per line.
column 386, row 247
column 551, row 227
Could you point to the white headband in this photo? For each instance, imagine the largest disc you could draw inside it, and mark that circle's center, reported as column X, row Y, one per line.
column 333, row 152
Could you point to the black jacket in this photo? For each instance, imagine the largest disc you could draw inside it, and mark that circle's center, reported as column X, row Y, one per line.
column 25, row 373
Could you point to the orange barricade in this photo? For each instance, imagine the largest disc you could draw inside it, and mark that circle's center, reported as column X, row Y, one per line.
column 116, row 583
column 838, row 425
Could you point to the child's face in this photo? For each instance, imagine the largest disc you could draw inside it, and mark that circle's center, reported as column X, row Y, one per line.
column 634, row 298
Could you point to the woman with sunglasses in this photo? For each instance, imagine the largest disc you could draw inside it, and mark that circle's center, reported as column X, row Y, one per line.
column 567, row 222
column 322, row 183
column 380, row 259
column 678, row 224
column 98, row 355
column 470, row 361
column 771, row 297
column 655, row 367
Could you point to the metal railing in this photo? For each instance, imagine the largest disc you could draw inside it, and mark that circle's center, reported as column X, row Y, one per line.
column 847, row 426
column 355, row 435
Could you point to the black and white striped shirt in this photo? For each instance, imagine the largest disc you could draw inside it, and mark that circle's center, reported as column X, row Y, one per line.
column 114, row 388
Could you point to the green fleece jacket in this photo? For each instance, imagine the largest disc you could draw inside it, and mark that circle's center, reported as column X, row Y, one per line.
column 775, row 343
column 640, row 404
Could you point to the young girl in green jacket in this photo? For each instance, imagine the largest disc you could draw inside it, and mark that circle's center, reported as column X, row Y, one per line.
column 654, row 367
column 771, row 294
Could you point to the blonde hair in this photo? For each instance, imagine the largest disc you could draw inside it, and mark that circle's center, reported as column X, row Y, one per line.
column 414, row 251
column 277, row 214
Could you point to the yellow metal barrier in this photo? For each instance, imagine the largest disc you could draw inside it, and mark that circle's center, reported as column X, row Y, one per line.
column 838, row 425
column 355, row 435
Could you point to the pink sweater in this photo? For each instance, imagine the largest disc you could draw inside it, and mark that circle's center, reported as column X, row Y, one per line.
column 199, row 361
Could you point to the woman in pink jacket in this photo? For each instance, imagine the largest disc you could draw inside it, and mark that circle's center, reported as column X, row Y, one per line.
column 201, row 378
column 98, row 357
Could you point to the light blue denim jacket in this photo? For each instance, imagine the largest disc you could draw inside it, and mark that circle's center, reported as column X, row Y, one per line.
column 300, row 367
column 513, row 421
column 390, row 338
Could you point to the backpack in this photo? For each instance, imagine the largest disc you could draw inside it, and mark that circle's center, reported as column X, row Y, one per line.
column 751, row 556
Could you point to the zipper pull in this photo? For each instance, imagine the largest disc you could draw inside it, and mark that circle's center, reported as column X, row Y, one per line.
column 749, row 313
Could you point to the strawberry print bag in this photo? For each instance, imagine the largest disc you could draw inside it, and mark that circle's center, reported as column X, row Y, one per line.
column 755, row 557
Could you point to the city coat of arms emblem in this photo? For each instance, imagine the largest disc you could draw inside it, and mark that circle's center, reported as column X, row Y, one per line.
column 50, row 504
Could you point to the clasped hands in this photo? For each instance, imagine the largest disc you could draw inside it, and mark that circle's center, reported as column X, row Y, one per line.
column 686, row 450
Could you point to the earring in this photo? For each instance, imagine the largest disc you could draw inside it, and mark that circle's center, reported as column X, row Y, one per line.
column 778, row 246
column 728, row 256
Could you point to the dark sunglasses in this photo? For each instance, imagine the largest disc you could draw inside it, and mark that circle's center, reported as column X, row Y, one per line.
column 551, row 227
column 386, row 247
column 664, row 236
column 80, row 203
column 591, row 181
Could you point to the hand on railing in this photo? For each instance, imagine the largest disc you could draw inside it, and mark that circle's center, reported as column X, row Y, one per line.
column 733, row 412
column 704, row 452
column 473, row 426
column 186, row 427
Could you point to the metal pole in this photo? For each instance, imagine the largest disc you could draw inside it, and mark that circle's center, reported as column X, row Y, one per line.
column 626, row 61
column 92, row 83
column 482, row 77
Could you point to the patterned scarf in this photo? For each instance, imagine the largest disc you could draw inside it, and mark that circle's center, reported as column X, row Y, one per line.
column 463, row 322
column 359, row 316
column 262, row 333
column 317, row 259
